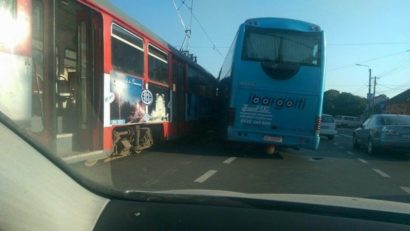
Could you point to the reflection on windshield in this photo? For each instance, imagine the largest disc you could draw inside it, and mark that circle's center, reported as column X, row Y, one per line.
column 120, row 106
column 396, row 120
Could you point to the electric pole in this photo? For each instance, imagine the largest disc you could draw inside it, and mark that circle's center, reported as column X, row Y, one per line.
column 370, row 83
column 374, row 91
column 369, row 94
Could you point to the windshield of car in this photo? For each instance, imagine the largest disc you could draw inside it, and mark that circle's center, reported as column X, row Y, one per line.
column 125, row 93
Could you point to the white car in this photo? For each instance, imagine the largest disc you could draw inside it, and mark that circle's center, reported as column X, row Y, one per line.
column 347, row 121
column 328, row 126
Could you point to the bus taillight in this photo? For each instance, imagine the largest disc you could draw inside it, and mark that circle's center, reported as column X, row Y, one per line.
column 231, row 116
column 317, row 125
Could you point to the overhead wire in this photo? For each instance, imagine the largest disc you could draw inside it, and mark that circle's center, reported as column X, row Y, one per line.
column 401, row 88
column 214, row 47
column 370, row 60
column 369, row 44
column 400, row 67
column 394, row 87
column 177, row 8
column 187, row 29
column 360, row 87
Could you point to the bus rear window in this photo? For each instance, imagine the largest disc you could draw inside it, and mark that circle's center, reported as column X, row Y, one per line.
column 282, row 46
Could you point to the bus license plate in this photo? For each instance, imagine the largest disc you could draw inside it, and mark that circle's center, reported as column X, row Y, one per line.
column 273, row 139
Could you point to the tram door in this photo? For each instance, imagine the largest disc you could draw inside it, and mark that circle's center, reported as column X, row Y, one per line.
column 79, row 80
column 178, row 99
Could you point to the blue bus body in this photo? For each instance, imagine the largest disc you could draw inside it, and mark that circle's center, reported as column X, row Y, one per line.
column 271, row 83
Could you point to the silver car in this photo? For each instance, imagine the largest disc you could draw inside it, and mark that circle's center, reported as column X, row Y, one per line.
column 384, row 132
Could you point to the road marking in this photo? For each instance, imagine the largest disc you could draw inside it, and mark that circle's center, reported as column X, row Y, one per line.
column 350, row 153
column 205, row 176
column 381, row 173
column 406, row 189
column 346, row 135
column 363, row 161
column 229, row 160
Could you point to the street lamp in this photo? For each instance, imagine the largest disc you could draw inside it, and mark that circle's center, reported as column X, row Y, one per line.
column 370, row 83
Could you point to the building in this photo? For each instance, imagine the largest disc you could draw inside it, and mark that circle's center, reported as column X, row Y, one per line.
column 399, row 104
column 379, row 104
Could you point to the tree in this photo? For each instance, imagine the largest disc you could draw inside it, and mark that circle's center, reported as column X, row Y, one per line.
column 336, row 103
column 330, row 97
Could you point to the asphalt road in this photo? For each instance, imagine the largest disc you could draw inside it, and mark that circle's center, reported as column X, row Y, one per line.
column 334, row 169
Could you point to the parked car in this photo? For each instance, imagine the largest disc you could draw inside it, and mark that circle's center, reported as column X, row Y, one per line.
column 328, row 126
column 347, row 121
column 384, row 132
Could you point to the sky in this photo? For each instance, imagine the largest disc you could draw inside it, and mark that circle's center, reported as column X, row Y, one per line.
column 375, row 33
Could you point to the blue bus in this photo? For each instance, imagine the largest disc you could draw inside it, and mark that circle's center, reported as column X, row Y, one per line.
column 271, row 83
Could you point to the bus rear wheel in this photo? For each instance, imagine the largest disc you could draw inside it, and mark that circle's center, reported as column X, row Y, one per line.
column 270, row 149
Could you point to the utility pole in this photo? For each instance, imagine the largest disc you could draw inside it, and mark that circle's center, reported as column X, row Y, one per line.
column 374, row 86
column 370, row 87
column 374, row 90
column 370, row 82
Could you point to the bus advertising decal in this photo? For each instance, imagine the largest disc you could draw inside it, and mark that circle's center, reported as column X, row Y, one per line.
column 158, row 109
column 133, row 104
column 258, row 110
column 255, row 115
column 278, row 102
column 147, row 97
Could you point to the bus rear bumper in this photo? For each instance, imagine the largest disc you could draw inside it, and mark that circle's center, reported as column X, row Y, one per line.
column 282, row 140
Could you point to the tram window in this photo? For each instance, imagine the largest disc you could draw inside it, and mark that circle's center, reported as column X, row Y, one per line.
column 127, row 52
column 157, row 65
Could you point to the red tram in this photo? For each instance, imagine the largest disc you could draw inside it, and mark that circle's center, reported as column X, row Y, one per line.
column 84, row 78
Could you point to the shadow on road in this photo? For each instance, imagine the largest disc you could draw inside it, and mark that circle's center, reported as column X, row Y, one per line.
column 209, row 146
column 388, row 156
